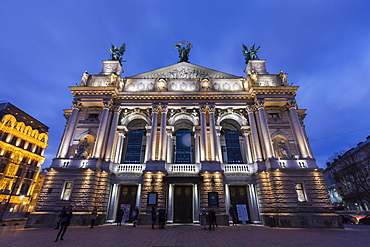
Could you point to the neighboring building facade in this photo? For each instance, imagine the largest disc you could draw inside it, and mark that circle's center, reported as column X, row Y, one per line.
column 348, row 178
column 23, row 140
column 183, row 138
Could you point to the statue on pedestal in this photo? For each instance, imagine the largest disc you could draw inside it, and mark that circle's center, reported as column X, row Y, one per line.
column 116, row 54
column 183, row 51
column 250, row 54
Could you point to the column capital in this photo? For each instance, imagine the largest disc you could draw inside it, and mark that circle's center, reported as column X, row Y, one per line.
column 260, row 103
column 250, row 108
column 291, row 104
column 107, row 103
column 156, row 108
column 77, row 105
column 164, row 108
column 203, row 108
column 117, row 109
column 211, row 108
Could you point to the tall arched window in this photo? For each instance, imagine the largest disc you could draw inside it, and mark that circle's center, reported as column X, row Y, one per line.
column 134, row 148
column 183, row 152
column 230, row 142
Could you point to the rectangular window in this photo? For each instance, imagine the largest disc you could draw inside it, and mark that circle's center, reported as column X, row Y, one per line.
column 274, row 115
column 300, row 192
column 93, row 116
column 50, row 190
column 66, row 194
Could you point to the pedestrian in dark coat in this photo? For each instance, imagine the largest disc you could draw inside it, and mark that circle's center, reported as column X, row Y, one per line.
column 161, row 218
column 93, row 216
column 65, row 222
column 154, row 216
column 60, row 217
column 212, row 219
column 233, row 214
column 119, row 216
column 135, row 215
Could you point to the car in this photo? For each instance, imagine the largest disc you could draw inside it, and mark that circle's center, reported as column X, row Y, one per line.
column 347, row 218
column 365, row 220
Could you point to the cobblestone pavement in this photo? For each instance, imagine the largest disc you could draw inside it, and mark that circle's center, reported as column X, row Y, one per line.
column 126, row 235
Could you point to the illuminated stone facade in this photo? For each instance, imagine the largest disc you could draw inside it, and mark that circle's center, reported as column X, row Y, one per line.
column 23, row 140
column 183, row 138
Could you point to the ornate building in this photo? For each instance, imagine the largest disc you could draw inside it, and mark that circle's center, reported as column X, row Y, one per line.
column 23, row 140
column 185, row 137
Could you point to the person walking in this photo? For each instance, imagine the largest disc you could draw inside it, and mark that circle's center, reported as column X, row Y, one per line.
column 93, row 216
column 203, row 218
column 161, row 218
column 135, row 215
column 60, row 217
column 154, row 216
column 65, row 222
column 212, row 219
column 232, row 214
column 119, row 216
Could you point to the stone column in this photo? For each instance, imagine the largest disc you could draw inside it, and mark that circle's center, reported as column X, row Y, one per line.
column 219, row 149
column 302, row 144
column 253, row 204
column 163, row 127
column 147, row 146
column 138, row 196
column 169, row 145
column 112, row 133
column 70, row 129
column 247, row 144
column 227, row 198
column 255, row 139
column 101, row 131
column 203, row 133
column 119, row 148
column 197, row 148
column 212, row 126
column 196, row 204
column 113, row 203
column 153, row 134
column 265, row 129
column 170, row 204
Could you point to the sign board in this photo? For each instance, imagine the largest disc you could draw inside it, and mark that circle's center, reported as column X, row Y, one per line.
column 241, row 209
column 126, row 211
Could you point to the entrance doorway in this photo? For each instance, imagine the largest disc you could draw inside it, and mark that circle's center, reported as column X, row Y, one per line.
column 127, row 196
column 238, row 196
column 183, row 204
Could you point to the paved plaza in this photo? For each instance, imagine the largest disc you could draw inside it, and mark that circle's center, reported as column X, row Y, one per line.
column 236, row 236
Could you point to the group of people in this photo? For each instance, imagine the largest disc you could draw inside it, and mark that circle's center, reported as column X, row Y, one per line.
column 64, row 220
column 208, row 218
column 161, row 217
column 121, row 212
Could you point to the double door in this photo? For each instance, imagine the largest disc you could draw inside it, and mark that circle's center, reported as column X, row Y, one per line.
column 183, row 204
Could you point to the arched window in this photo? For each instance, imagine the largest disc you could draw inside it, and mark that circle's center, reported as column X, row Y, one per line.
column 230, row 142
column 134, row 148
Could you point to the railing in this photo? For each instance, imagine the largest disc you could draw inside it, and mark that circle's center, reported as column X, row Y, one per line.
column 130, row 168
column 237, row 168
column 183, row 168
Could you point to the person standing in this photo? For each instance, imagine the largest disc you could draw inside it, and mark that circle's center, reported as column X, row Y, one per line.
column 65, row 222
column 60, row 217
column 212, row 219
column 119, row 216
column 135, row 215
column 161, row 218
column 154, row 216
column 203, row 217
column 93, row 216
column 232, row 214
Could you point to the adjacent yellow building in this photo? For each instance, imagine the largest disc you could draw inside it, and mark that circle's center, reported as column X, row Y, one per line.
column 23, row 140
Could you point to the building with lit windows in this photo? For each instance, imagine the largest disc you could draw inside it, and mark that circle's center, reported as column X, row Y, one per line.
column 23, row 140
column 185, row 137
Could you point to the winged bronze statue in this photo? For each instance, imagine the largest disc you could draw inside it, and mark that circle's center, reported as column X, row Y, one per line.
column 116, row 54
column 251, row 54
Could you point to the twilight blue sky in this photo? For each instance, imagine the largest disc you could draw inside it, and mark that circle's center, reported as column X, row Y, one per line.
column 324, row 46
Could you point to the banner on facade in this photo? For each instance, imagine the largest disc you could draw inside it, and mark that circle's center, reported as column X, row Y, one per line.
column 242, row 212
column 126, row 212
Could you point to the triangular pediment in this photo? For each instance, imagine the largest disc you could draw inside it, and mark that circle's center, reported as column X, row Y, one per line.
column 184, row 70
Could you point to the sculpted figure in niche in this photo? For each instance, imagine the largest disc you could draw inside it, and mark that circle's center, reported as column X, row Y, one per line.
column 283, row 151
column 83, row 149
